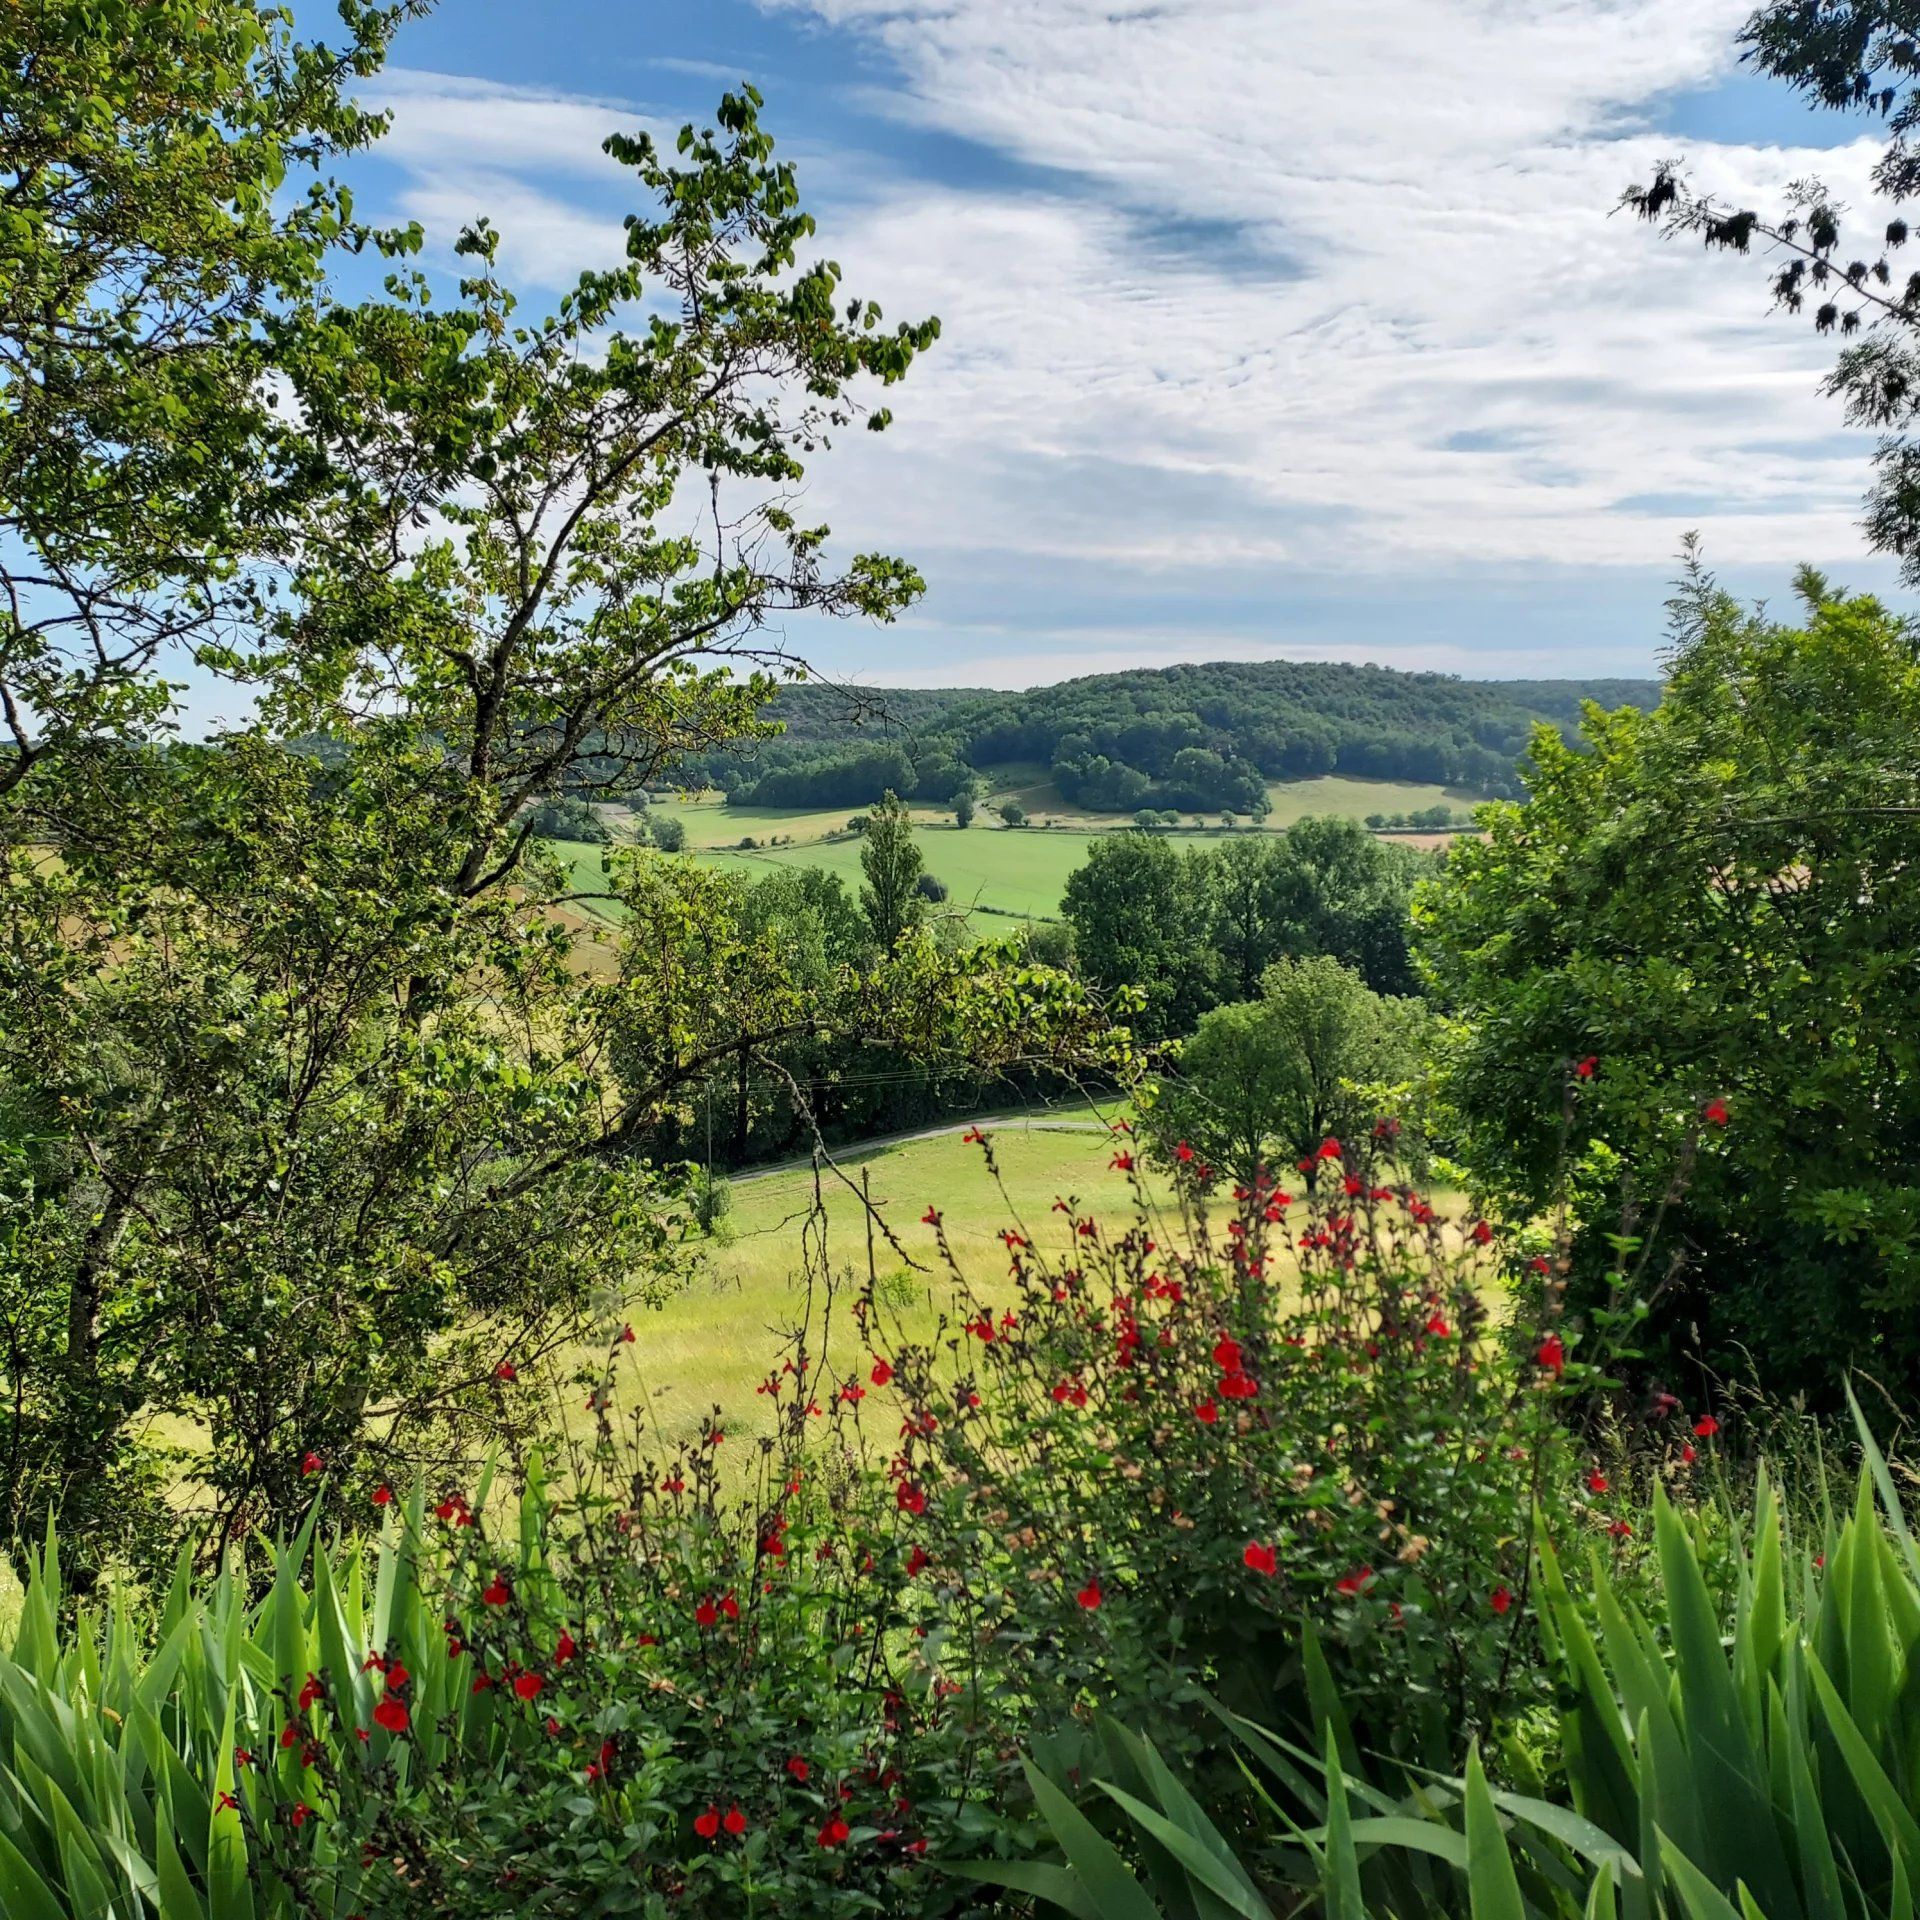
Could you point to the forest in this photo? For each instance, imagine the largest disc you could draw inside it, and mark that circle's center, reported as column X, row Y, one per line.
column 1199, row 738
column 546, row 1373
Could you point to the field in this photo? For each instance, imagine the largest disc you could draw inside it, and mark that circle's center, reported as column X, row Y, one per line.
column 711, row 1343
column 994, row 870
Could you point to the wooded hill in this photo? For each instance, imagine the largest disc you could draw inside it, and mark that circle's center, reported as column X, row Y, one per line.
column 1199, row 737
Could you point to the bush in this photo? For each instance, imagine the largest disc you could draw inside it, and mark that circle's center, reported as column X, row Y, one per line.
column 568, row 817
column 1152, row 1462
column 669, row 834
column 929, row 888
column 1013, row 813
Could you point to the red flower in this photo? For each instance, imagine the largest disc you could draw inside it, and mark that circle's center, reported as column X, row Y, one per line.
column 311, row 1692
column 1481, row 1233
column 498, row 1594
column 1330, row 1150
column 882, row 1372
column 1583, row 1069
column 917, row 1560
column 931, row 1218
column 1540, row 1264
column 1183, row 1152
column 301, row 1814
column 391, row 1714
column 799, row 1769
column 563, row 1648
column 706, row 1614
column 1261, row 1559
column 1596, row 1481
column 1500, row 1600
column 383, row 1496
column 528, row 1685
column 973, row 1137
column 1090, row 1596
column 853, row 1395
column 506, row 1370
column 1716, row 1111
column 1620, row 1530
column 1706, row 1426
column 626, row 1335
column 1239, row 1386
column 1355, row 1582
column 910, row 1497
column 730, row 1606
column 1226, row 1356
column 1553, row 1355
column 833, row 1833
column 1687, row 1454
column 735, row 1822
column 1437, row 1326
column 1121, row 1163
column 311, row 1464
column 1206, row 1413
column 707, row 1824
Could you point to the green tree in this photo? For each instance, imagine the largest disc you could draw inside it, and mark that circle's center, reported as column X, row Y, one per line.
column 669, row 834
column 1713, row 905
column 1355, row 895
column 1135, row 906
column 1013, row 813
column 161, row 175
column 963, row 808
column 1263, row 1083
column 310, row 1117
column 891, row 898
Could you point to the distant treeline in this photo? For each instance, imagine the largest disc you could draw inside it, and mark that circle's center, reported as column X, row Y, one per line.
column 1196, row 738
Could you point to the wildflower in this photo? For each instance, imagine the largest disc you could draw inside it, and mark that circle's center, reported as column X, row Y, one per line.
column 707, row 1824
column 1596, row 1481
column 1583, row 1069
column 506, row 1370
column 881, row 1374
column 311, row 1692
column 301, row 1814
column 1226, row 1356
column 564, row 1648
column 799, row 1768
column 1500, row 1600
column 391, row 1714
column 1355, row 1583
column 910, row 1497
column 1260, row 1559
column 1552, row 1355
column 1121, row 1163
column 1706, row 1426
column 706, row 1614
column 1090, row 1596
column 626, row 1335
column 1716, row 1111
column 1481, row 1233
column 735, row 1822
column 498, row 1594
column 383, row 1495
column 973, row 1137
column 311, row 1464
column 1687, row 1454
column 1206, row 1413
column 1183, row 1153
column 1540, row 1264
column 527, row 1685
column 833, row 1833
column 1437, row 1326
column 730, row 1606
column 917, row 1560
column 1330, row 1149
column 1239, row 1386
column 931, row 1218
column 1620, row 1530
column 853, row 1394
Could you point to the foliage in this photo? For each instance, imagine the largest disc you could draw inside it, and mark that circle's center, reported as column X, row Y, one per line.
column 569, row 818
column 160, row 170
column 1145, row 1454
column 1115, row 742
column 1133, row 908
column 667, row 833
column 963, row 809
column 1262, row 1083
column 1856, row 57
column 1706, row 1770
column 891, row 899
column 1709, row 905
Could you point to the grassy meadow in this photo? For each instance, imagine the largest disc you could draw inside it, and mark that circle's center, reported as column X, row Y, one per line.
column 996, row 871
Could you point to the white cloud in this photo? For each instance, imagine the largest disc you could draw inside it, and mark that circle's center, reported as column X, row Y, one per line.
column 1294, row 287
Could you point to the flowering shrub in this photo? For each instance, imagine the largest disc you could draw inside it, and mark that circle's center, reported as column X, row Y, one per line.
column 1156, row 1447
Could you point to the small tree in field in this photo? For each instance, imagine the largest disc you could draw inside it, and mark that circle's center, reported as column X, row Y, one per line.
column 963, row 808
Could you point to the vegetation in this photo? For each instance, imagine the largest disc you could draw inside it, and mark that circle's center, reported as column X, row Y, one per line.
column 1708, row 908
column 1194, row 738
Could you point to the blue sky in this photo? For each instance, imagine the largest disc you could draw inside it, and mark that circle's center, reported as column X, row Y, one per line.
column 1270, row 328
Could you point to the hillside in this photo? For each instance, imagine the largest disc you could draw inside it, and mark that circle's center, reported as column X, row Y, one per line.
column 1192, row 737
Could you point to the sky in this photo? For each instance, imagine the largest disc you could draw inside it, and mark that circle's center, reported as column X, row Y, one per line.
column 1270, row 328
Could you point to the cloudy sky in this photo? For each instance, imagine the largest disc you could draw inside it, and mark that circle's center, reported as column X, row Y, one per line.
column 1270, row 327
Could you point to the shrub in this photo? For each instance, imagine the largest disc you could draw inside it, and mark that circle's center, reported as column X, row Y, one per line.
column 1145, row 1462
column 669, row 834
column 1013, row 813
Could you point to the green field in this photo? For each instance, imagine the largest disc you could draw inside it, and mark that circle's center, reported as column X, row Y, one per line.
column 711, row 1343
column 997, row 871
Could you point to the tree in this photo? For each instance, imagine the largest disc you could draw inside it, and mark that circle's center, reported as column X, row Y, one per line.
column 1687, row 966
column 891, row 898
column 669, row 833
column 160, row 166
column 1258, row 898
column 309, row 1116
column 1354, row 898
column 1852, row 56
column 566, row 817
column 1134, row 906
column 1013, row 813
column 1263, row 1083
column 963, row 808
